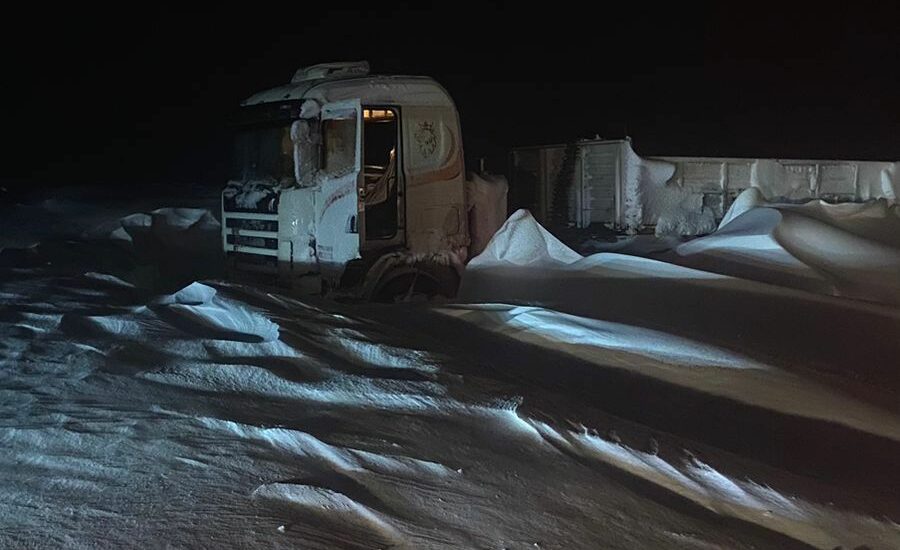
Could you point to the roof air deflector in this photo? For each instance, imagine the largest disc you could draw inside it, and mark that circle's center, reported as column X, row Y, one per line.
column 328, row 71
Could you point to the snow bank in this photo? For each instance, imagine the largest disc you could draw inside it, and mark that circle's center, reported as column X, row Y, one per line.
column 194, row 294
column 523, row 249
column 630, row 346
column 693, row 364
column 167, row 247
column 748, row 199
column 525, row 265
column 813, row 523
column 242, row 417
column 164, row 229
column 522, row 241
column 334, row 511
column 200, row 311
column 849, row 249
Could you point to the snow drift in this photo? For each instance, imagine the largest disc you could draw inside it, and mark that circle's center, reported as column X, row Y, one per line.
column 522, row 241
column 237, row 416
column 849, row 249
column 163, row 249
column 781, row 328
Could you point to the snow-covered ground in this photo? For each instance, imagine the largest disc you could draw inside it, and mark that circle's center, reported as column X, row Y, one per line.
column 610, row 401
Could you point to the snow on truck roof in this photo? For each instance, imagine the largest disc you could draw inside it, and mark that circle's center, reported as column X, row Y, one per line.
column 339, row 81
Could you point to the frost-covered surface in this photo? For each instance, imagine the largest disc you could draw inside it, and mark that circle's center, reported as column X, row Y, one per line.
column 687, row 217
column 846, row 249
column 686, row 195
column 252, row 195
column 208, row 414
column 643, row 188
column 825, row 364
column 687, row 201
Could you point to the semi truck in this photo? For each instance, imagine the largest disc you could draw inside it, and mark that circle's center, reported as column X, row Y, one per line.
column 349, row 182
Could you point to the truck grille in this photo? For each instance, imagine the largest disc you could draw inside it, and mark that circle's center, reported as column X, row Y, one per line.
column 255, row 242
column 251, row 240
column 250, row 224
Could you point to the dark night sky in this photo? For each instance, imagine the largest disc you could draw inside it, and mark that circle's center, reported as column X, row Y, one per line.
column 112, row 97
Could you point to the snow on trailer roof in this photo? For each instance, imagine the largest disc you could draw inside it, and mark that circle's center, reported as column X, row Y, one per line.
column 599, row 141
column 339, row 81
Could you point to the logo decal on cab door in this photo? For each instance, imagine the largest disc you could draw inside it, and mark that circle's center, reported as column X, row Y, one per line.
column 426, row 138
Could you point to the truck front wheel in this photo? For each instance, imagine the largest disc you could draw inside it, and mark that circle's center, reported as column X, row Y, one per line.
column 416, row 282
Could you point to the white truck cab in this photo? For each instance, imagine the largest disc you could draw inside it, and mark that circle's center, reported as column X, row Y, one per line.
column 349, row 180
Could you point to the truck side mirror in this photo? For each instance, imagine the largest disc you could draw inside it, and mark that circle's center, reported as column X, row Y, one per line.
column 304, row 135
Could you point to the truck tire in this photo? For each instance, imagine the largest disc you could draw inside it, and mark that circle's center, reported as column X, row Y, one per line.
column 419, row 281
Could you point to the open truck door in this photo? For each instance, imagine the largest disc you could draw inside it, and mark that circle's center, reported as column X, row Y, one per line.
column 382, row 203
column 340, row 212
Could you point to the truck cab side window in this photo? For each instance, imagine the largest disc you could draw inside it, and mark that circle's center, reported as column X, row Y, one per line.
column 339, row 145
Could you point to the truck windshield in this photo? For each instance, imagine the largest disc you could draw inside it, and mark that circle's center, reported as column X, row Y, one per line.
column 264, row 153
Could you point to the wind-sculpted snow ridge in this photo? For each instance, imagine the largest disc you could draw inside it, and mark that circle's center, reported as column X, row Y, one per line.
column 168, row 246
column 850, row 250
column 815, row 524
column 162, row 249
column 115, row 407
column 197, row 309
column 311, row 508
column 131, row 410
column 522, row 241
column 785, row 350
column 212, row 414
column 692, row 364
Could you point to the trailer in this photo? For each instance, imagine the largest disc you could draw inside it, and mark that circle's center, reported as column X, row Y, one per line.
column 606, row 182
